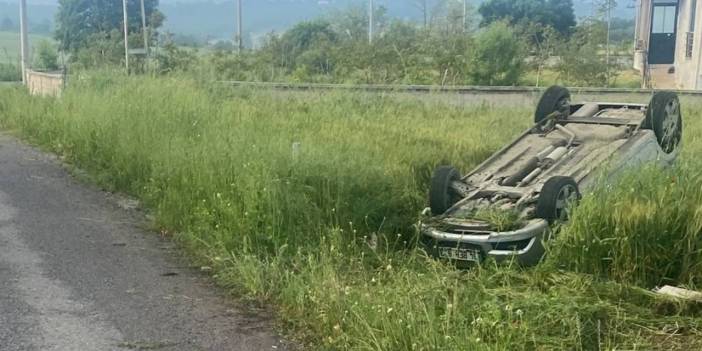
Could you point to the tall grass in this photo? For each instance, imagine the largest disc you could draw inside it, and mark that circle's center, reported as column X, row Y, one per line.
column 326, row 234
column 9, row 72
column 645, row 227
column 649, row 233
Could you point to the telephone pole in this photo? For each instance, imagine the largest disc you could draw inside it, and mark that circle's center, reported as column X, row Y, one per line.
column 370, row 21
column 24, row 42
column 609, row 27
column 143, row 29
column 126, row 36
column 465, row 15
column 239, row 38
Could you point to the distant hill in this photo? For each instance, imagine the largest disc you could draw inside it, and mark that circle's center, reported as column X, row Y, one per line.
column 216, row 19
column 41, row 16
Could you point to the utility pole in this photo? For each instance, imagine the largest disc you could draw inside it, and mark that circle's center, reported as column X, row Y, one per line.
column 143, row 29
column 239, row 38
column 370, row 21
column 24, row 42
column 126, row 36
column 638, row 5
column 465, row 15
column 609, row 26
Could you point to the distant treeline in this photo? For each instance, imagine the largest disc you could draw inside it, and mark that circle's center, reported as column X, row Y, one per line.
column 502, row 42
column 501, row 49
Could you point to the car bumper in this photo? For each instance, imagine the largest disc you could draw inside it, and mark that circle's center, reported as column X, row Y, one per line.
column 524, row 245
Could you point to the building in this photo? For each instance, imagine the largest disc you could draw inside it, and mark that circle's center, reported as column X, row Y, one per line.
column 669, row 43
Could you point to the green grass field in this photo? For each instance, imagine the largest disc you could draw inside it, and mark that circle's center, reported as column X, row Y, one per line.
column 627, row 78
column 327, row 237
column 10, row 45
column 10, row 54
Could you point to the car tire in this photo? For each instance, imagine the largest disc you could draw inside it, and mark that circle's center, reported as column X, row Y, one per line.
column 556, row 197
column 664, row 118
column 555, row 98
column 441, row 195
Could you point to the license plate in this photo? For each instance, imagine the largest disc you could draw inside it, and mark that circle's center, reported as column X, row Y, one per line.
column 453, row 253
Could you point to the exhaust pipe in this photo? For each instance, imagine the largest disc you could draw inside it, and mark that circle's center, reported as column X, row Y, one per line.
column 514, row 179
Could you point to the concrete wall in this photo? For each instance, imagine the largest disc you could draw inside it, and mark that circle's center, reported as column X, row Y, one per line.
column 686, row 70
column 45, row 84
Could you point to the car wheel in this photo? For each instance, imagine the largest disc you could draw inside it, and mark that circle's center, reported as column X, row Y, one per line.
column 441, row 195
column 554, row 99
column 557, row 196
column 664, row 118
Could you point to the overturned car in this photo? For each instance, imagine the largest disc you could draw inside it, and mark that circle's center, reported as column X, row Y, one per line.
column 508, row 205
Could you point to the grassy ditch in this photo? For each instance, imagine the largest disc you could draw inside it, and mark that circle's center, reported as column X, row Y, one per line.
column 326, row 234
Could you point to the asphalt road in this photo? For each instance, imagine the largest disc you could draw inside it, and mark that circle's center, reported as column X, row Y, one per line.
column 78, row 273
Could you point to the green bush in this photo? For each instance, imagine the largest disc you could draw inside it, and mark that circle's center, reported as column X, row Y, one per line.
column 46, row 56
column 10, row 72
column 171, row 58
column 582, row 61
column 498, row 57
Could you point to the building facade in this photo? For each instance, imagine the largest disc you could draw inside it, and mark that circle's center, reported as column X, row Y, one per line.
column 669, row 43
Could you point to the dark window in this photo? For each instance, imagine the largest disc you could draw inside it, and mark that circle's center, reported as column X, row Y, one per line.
column 662, row 41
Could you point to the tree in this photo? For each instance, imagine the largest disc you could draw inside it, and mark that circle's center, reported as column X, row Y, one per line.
column 423, row 7
column 106, row 48
column 291, row 49
column 604, row 12
column 223, row 45
column 558, row 14
column 173, row 58
column 544, row 44
column 622, row 30
column 447, row 17
column 7, row 25
column 605, row 7
column 433, row 11
column 79, row 20
column 46, row 57
column 352, row 22
column 580, row 61
column 498, row 57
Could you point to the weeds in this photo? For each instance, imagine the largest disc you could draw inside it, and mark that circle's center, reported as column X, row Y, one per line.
column 500, row 220
column 9, row 72
column 326, row 235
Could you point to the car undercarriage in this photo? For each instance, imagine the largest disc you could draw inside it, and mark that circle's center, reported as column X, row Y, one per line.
column 506, row 207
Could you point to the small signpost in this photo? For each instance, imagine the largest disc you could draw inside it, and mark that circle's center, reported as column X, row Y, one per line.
column 140, row 51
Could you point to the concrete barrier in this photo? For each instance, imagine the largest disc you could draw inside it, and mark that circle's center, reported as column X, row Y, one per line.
column 45, row 83
column 467, row 95
column 455, row 89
